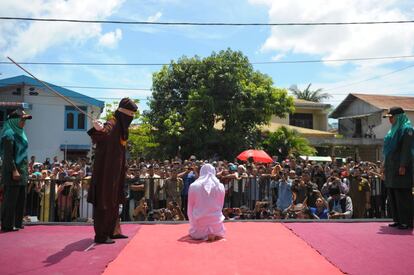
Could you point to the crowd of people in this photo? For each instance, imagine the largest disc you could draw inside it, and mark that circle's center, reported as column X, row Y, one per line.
column 290, row 188
column 158, row 190
column 205, row 192
column 57, row 190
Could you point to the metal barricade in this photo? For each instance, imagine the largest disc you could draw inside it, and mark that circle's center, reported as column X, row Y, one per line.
column 50, row 200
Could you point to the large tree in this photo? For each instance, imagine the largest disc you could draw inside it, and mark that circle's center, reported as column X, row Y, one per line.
column 141, row 141
column 212, row 105
column 308, row 94
column 286, row 142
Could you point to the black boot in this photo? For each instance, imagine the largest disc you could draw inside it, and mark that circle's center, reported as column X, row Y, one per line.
column 119, row 236
column 104, row 241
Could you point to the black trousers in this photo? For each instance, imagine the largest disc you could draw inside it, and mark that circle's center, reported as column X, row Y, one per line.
column 184, row 205
column 401, row 203
column 104, row 222
column 13, row 205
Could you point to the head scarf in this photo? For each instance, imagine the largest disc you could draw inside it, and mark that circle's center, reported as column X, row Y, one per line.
column 395, row 134
column 208, row 178
column 12, row 131
column 123, row 119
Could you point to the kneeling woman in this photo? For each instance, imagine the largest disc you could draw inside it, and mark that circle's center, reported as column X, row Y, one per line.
column 205, row 204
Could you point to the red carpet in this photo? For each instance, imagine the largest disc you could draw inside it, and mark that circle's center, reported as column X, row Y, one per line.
column 361, row 248
column 57, row 250
column 249, row 248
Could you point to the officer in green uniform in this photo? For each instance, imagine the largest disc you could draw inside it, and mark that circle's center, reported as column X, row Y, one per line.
column 398, row 167
column 13, row 151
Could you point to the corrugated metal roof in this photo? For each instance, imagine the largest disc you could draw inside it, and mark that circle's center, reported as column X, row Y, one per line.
column 23, row 79
column 385, row 102
column 382, row 102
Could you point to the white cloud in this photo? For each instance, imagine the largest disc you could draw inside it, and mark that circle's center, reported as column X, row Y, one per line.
column 110, row 39
column 348, row 41
column 24, row 40
column 366, row 80
column 335, row 42
column 277, row 57
column 155, row 17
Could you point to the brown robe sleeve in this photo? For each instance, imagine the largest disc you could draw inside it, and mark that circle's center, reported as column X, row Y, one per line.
column 98, row 136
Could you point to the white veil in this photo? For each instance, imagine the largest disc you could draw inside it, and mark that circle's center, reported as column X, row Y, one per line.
column 208, row 177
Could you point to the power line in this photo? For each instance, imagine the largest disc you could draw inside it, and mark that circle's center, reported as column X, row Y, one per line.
column 149, row 89
column 253, row 63
column 203, row 23
column 390, row 93
column 387, row 93
column 108, row 88
column 80, row 87
column 369, row 79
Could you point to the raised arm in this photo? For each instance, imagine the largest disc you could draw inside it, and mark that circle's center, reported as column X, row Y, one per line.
column 101, row 134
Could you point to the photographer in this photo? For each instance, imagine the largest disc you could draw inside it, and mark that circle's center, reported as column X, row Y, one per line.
column 299, row 212
column 284, row 185
column 261, row 210
column 318, row 176
column 175, row 209
column 312, row 192
column 305, row 192
column 343, row 187
column 339, row 205
column 320, row 211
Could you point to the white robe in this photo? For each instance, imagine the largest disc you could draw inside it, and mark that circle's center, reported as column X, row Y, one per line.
column 205, row 204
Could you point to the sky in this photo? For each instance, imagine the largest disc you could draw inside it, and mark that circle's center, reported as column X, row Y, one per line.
column 116, row 43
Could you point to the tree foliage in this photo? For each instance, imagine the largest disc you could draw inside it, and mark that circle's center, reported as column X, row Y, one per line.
column 141, row 141
column 212, row 105
column 286, row 142
column 308, row 94
column 110, row 109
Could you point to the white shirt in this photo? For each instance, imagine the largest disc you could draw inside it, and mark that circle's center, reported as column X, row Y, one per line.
column 205, row 204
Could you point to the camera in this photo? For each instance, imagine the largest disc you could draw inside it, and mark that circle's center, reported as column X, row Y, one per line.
column 291, row 215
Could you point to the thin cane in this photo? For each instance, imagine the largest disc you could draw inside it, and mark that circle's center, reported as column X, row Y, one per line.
column 54, row 91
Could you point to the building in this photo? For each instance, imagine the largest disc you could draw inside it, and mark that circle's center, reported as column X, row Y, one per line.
column 310, row 120
column 360, row 121
column 57, row 128
column 308, row 114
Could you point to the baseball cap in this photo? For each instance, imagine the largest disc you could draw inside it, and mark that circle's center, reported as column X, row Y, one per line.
column 19, row 113
column 394, row 111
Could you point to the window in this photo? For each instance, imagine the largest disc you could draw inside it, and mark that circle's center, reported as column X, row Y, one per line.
column 70, row 123
column 81, row 121
column 75, row 120
column 17, row 92
column 301, row 120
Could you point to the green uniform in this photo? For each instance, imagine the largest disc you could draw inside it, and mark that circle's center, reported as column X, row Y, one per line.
column 357, row 191
column 400, row 186
column 13, row 148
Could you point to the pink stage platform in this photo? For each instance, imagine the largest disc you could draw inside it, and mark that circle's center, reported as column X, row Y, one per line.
column 249, row 248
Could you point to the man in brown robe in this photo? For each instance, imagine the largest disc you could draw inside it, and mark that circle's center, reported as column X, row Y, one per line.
column 106, row 192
